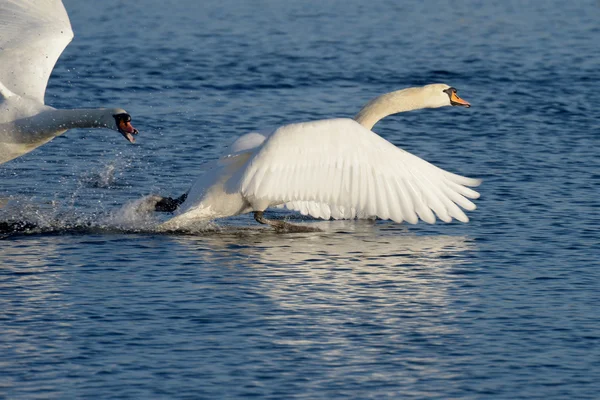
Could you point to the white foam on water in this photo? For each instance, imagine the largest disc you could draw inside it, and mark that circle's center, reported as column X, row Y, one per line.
column 22, row 215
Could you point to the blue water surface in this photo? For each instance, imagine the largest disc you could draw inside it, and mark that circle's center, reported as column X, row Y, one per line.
column 94, row 305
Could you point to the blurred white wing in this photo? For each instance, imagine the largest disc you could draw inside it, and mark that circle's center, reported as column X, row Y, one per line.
column 247, row 142
column 337, row 168
column 241, row 145
column 33, row 34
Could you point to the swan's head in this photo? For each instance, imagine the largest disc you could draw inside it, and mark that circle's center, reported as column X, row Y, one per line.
column 440, row 95
column 122, row 123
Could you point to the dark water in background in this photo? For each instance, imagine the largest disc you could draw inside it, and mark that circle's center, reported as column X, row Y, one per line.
column 506, row 306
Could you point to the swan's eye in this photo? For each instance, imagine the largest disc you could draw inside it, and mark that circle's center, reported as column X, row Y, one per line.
column 449, row 91
column 122, row 117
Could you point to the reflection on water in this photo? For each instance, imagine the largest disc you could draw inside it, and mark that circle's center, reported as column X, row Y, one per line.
column 360, row 244
column 236, row 295
column 350, row 262
column 386, row 263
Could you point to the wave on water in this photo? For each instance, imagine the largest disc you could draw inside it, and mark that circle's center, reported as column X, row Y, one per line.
column 24, row 217
column 20, row 217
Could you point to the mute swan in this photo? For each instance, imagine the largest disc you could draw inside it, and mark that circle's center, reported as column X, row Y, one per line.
column 33, row 34
column 335, row 168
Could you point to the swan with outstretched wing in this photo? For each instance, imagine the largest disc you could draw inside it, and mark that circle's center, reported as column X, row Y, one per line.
column 33, row 34
column 336, row 168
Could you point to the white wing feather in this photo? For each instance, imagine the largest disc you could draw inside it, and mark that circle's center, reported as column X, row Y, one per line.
column 247, row 142
column 33, row 34
column 241, row 145
column 339, row 169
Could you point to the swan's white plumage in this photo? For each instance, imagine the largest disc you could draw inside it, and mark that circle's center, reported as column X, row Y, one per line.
column 247, row 142
column 336, row 168
column 316, row 165
column 326, row 169
column 33, row 34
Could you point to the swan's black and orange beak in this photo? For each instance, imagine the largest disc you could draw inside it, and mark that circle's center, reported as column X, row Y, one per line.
column 455, row 100
column 124, row 126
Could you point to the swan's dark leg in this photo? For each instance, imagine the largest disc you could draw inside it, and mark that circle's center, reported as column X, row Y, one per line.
column 282, row 226
column 169, row 204
column 260, row 218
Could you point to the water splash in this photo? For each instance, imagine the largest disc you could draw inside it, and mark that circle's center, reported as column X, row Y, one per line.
column 22, row 216
column 105, row 177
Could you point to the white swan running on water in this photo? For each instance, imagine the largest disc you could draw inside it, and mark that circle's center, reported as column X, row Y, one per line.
column 33, row 34
column 335, row 168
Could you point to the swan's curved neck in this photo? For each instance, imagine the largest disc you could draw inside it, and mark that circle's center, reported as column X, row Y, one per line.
column 52, row 122
column 391, row 103
column 78, row 118
column 24, row 134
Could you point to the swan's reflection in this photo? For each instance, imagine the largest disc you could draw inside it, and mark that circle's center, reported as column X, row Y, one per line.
column 350, row 260
column 347, row 288
column 358, row 243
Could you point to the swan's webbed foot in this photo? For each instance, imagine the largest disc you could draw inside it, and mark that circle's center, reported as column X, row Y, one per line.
column 169, row 204
column 282, row 226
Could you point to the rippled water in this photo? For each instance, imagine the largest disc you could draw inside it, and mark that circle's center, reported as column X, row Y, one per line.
column 96, row 304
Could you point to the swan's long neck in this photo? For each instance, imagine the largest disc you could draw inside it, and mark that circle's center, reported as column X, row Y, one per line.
column 78, row 118
column 21, row 135
column 52, row 122
column 391, row 103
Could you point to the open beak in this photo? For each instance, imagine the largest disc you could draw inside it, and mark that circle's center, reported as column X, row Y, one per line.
column 127, row 130
column 457, row 101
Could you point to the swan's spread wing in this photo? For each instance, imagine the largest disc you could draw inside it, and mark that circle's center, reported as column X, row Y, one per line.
column 33, row 34
column 338, row 168
column 324, row 211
